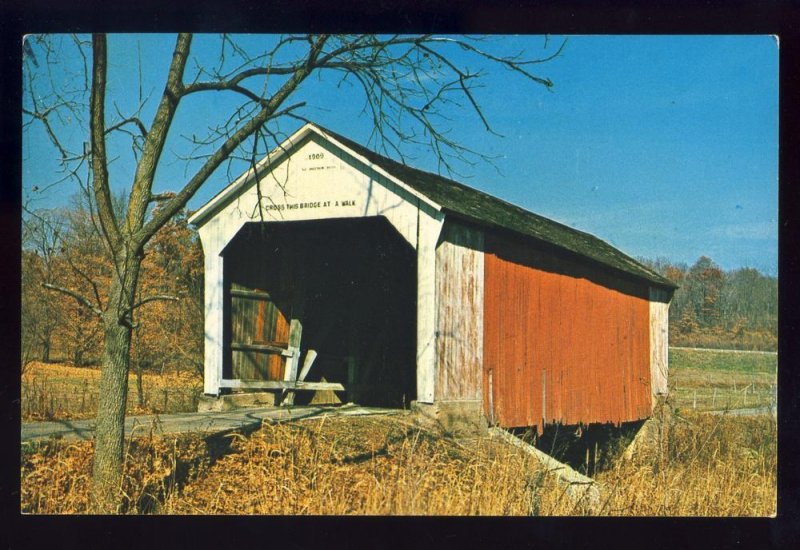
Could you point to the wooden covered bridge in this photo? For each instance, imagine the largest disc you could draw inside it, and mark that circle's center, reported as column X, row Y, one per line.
column 345, row 271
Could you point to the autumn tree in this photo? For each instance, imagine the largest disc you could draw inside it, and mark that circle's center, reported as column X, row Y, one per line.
column 86, row 270
column 62, row 248
column 704, row 287
column 42, row 234
column 407, row 83
column 169, row 334
column 733, row 308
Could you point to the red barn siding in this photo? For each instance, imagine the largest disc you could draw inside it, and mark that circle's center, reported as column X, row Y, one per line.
column 562, row 340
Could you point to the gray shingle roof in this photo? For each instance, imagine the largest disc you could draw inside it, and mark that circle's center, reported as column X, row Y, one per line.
column 484, row 209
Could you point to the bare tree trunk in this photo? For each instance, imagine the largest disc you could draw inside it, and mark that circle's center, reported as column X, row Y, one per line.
column 110, row 431
column 107, row 473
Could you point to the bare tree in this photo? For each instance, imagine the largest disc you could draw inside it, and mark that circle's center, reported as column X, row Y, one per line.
column 408, row 84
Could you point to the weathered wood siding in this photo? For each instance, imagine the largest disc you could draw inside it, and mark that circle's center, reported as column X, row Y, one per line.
column 659, row 341
column 563, row 341
column 459, row 308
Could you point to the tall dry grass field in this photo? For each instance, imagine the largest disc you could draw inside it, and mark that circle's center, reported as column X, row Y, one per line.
column 711, row 466
column 56, row 391
column 376, row 466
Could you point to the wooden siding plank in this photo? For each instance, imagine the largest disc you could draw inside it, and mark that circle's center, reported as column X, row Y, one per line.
column 257, row 326
column 560, row 337
column 459, row 306
column 281, row 385
column 659, row 341
column 247, row 293
column 269, row 348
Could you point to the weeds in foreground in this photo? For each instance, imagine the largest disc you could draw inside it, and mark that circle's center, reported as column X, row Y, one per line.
column 373, row 466
column 56, row 476
column 710, row 466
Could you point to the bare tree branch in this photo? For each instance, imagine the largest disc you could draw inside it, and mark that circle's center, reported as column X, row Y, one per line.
column 156, row 137
column 143, row 301
column 87, row 278
column 102, row 192
column 172, row 207
column 160, row 197
column 131, row 120
column 80, row 299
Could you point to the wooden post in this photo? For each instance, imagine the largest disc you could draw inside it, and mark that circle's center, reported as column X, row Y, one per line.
column 491, row 398
column 428, row 229
column 309, row 360
column 290, row 373
column 694, row 401
column 544, row 397
column 714, row 399
column 351, row 378
column 213, row 314
column 311, row 355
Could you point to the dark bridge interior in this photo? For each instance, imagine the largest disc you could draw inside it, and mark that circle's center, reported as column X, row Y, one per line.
column 351, row 283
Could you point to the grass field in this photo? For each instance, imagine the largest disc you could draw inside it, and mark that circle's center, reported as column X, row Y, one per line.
column 711, row 465
column 59, row 392
column 718, row 380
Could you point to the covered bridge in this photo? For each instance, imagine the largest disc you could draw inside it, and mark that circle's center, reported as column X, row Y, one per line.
column 346, row 271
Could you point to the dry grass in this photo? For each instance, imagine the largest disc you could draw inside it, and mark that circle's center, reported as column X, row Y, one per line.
column 58, row 391
column 711, row 466
column 56, row 476
column 718, row 338
column 374, row 466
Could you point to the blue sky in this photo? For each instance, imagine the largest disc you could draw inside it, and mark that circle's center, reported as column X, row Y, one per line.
column 664, row 146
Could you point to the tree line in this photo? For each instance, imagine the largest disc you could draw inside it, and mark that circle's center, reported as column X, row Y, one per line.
column 735, row 309
column 63, row 248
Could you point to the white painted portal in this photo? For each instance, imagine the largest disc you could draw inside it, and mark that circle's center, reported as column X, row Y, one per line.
column 316, row 179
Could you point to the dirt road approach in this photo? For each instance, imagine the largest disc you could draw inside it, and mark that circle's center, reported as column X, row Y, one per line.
column 199, row 422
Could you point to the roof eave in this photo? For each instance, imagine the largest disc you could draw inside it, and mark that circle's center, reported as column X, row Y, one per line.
column 656, row 279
